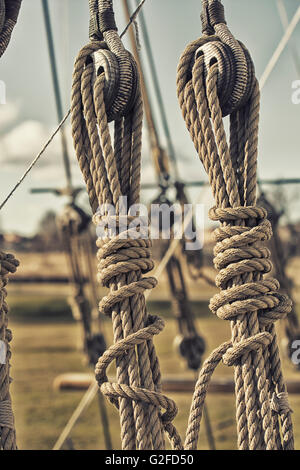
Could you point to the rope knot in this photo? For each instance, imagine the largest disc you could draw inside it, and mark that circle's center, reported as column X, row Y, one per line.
column 115, row 391
column 280, row 403
column 253, row 344
column 239, row 253
column 8, row 264
column 123, row 254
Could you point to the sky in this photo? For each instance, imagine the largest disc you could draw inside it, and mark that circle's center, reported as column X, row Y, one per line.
column 29, row 115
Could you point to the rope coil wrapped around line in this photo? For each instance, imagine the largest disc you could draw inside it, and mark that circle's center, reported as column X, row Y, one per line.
column 8, row 265
column 106, row 88
column 251, row 303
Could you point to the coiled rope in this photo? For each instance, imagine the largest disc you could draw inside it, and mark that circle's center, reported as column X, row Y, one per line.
column 9, row 11
column 110, row 173
column 8, row 264
column 210, row 70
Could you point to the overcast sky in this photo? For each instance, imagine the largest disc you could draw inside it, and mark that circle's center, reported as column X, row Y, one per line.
column 29, row 116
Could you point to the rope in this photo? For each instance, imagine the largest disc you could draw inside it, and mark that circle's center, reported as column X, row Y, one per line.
column 280, row 48
column 42, row 151
column 33, row 163
column 159, row 98
column 8, row 264
column 73, row 224
column 57, row 92
column 9, row 12
column 68, row 428
column 249, row 302
column 109, row 174
column 280, row 259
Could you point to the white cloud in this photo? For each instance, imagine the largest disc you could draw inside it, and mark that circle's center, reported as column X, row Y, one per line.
column 21, row 145
column 8, row 114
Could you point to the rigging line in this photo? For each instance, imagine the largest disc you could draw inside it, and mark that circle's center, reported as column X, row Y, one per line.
column 81, row 407
column 172, row 247
column 276, row 56
column 35, row 160
column 157, row 88
column 151, row 125
column 280, row 48
column 58, row 101
column 189, row 184
column 285, row 23
column 133, row 17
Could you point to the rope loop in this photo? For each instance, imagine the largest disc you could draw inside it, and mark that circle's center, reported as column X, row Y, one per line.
column 238, row 252
column 112, row 59
column 236, row 75
column 115, row 391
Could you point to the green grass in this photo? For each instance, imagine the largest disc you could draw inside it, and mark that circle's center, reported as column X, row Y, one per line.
column 41, row 351
column 26, row 308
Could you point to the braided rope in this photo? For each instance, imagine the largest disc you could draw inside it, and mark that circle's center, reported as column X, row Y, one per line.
column 249, row 302
column 111, row 172
column 8, row 264
column 9, row 11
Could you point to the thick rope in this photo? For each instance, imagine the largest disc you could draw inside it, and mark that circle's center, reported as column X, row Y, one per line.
column 110, row 173
column 8, row 264
column 9, row 11
column 249, row 302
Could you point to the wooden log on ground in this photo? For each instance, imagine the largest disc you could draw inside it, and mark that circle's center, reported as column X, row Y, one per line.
column 220, row 385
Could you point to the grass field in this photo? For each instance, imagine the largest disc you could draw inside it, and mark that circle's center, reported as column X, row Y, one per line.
column 42, row 350
column 47, row 342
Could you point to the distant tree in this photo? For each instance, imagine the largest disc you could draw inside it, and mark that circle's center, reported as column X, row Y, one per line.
column 47, row 231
